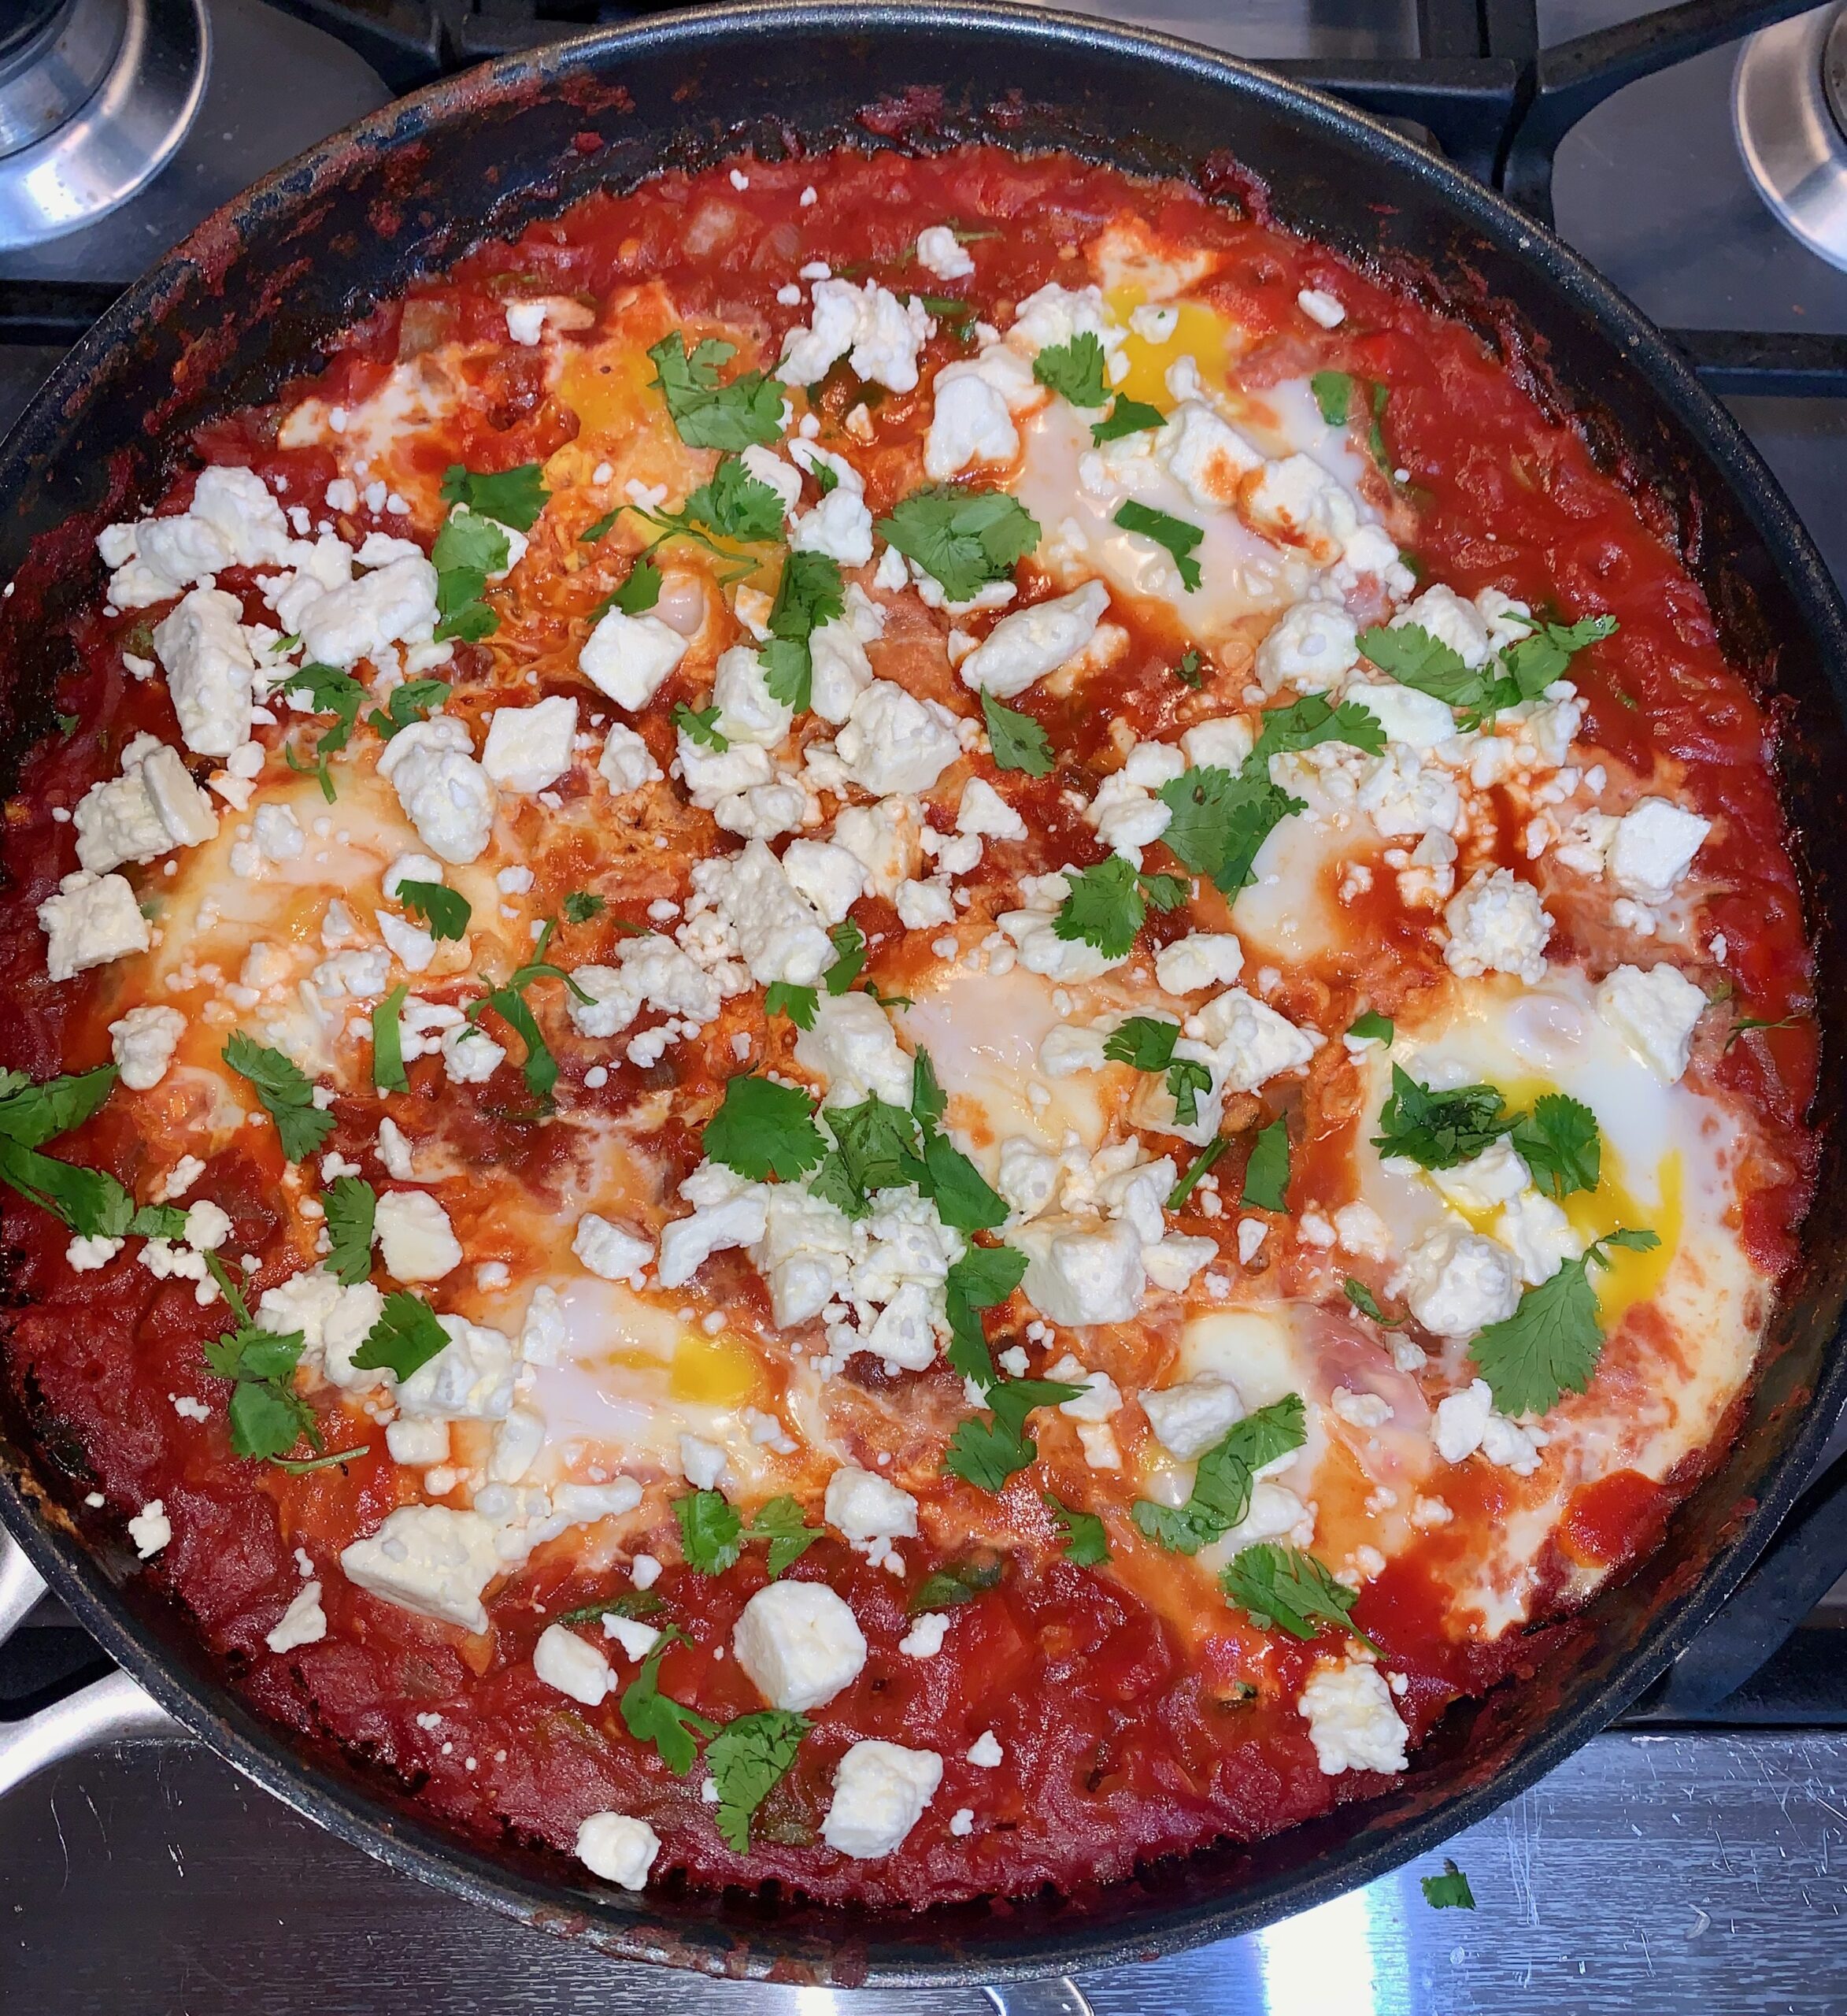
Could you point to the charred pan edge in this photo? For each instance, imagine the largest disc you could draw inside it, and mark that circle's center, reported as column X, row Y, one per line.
column 248, row 302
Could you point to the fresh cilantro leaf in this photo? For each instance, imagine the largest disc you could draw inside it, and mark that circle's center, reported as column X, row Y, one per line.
column 1011, row 1400
column 469, row 547
column 1439, row 1130
column 965, row 1199
column 986, row 1276
column 886, row 1001
column 1535, row 661
column 446, row 911
column 947, row 1588
column 1559, row 1143
column 406, row 1336
column 512, row 497
column 158, row 1221
column 1449, row 1891
column 1195, row 1170
column 1221, row 819
column 1017, row 740
column 597, row 528
column 711, row 1533
column 1187, row 671
column 90, row 1201
column 1073, row 370
column 1266, row 1175
column 986, row 1453
column 762, row 1129
column 963, row 539
column 1188, row 1080
column 1085, row 1542
column 1551, row 1343
column 67, row 725
column 1176, row 534
column 929, row 1102
column 701, row 725
column 1125, row 417
column 747, row 1758
column 284, row 1093
column 329, row 691
column 582, row 907
column 780, row 1521
column 875, row 1148
column 1363, row 1299
column 1105, row 906
column 808, row 594
column 387, row 1041
column 652, row 1717
column 1371, row 1027
column 850, row 947
column 800, row 1004
column 1222, row 1483
column 266, row 1419
column 1333, row 394
column 826, row 477
column 1142, row 1041
column 641, row 591
column 1166, row 892
column 416, row 700
column 1281, row 1588
column 351, row 1204
column 637, row 1603
column 747, row 411
column 735, row 504
column 1312, row 720
column 34, row 1114
column 1375, row 440
column 1408, row 653
column 540, row 1068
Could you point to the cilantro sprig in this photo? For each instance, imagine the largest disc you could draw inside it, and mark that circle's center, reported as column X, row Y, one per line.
column 746, row 411
column 1147, row 1043
column 1266, row 1174
column 1409, row 654
column 540, row 1068
column 1559, row 1139
column 1551, row 1343
column 963, row 539
column 406, row 1335
column 510, row 497
column 446, row 911
column 1282, row 1589
column 267, row 1416
column 1085, row 1539
column 1449, row 1891
column 652, row 1717
column 1176, row 534
column 285, row 1092
column 351, row 1205
column 1125, row 417
column 762, row 1128
column 1019, row 743
column 713, row 1532
column 747, row 1758
column 1075, row 370
column 1222, row 1484
column 808, row 594
column 89, row 1202
column 468, row 548
column 986, row 1453
column 1107, row 902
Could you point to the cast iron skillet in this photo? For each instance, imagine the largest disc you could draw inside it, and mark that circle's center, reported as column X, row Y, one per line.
column 240, row 308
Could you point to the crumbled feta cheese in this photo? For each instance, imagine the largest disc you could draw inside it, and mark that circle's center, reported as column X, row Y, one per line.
column 1654, row 1009
column 150, row 1529
column 1079, row 1273
column 982, row 811
column 414, row 1241
column 1251, row 1042
column 430, row 1559
column 1353, row 1722
column 1458, row 1283
column 924, row 1639
column 200, row 646
column 1466, row 1421
column 865, row 1508
column 939, row 251
column 446, row 794
column 626, row 764
column 1026, row 646
column 572, row 1665
column 1321, row 306
column 153, row 807
column 893, row 742
column 1190, row 1418
column 1497, row 924
column 143, row 1043
column 528, row 748
column 854, row 1047
column 798, row 1644
column 827, row 876
column 879, row 335
column 1206, row 958
column 608, row 1251
column 1653, row 847
column 91, row 920
column 619, row 1849
column 880, row 1790
column 303, row 1623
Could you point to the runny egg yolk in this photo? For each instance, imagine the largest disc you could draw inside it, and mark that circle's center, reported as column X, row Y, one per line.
column 714, row 1371
column 1198, row 332
column 608, row 388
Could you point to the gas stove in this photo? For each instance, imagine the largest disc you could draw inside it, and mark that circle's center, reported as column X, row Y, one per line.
column 1691, row 1855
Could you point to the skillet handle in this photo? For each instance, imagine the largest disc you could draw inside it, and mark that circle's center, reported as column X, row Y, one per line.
column 114, row 1709
column 1058, row 1995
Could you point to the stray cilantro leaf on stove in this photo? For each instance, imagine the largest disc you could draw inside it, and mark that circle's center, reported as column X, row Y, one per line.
column 34, row 1114
column 963, row 539
column 1073, row 370
column 1266, row 1175
column 800, row 1004
column 652, row 1717
column 285, row 1094
column 1017, row 740
column 445, row 910
column 849, row 947
column 762, row 1129
column 1086, row 1543
column 1551, row 1343
column 1371, row 1027
column 1195, row 1170
column 701, row 724
column 1282, row 1589
column 352, row 1206
column 1333, row 394
column 582, row 907
column 808, row 594
column 1125, row 417
column 747, row 1758
column 387, row 1041
column 1223, row 1481
column 1363, row 1299
column 406, row 1336
column 746, row 412
column 711, row 1533
column 512, row 497
column 1439, row 1130
column 1449, row 1891
column 1176, row 534
column 1559, row 1143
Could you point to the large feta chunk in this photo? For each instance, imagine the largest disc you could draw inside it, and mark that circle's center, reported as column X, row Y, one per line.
column 894, row 742
column 152, row 807
column 1353, row 1722
column 528, row 748
column 1457, row 1282
column 91, row 920
column 778, row 933
column 210, row 672
column 143, row 1043
column 618, row 1847
column 1497, row 924
column 1079, row 1272
column 1313, row 647
column 470, row 1379
column 1209, row 457
column 446, row 794
column 1250, row 1041
column 1653, row 847
column 880, row 1790
column 1452, row 620
column 414, row 1239
column 798, row 1644
column 393, row 604
column 878, row 335
column 1205, row 958
column 853, row 1046
column 431, row 1560
column 629, row 657
column 1655, row 1010
column 865, row 1508
column 984, row 813
column 1190, row 1418
column 1031, row 643
column 572, row 1665
column 827, row 875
